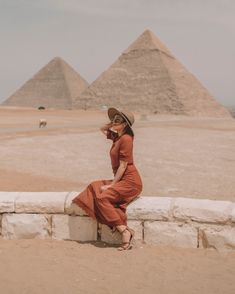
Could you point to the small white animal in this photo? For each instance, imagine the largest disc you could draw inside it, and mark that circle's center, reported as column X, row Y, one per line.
column 42, row 122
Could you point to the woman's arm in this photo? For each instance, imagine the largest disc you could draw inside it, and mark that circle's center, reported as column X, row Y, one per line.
column 105, row 128
column 120, row 171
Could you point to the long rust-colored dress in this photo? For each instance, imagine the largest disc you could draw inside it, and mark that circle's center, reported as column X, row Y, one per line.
column 109, row 206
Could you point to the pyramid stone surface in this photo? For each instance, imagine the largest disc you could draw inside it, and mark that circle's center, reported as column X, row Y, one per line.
column 147, row 77
column 54, row 86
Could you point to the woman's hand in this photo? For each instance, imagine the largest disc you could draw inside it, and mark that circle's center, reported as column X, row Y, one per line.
column 105, row 187
column 105, row 128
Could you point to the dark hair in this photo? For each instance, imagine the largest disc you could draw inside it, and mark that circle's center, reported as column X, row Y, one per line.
column 128, row 130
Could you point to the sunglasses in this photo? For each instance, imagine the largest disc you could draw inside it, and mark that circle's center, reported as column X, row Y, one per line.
column 118, row 120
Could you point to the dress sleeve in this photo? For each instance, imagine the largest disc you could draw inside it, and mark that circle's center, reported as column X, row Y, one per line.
column 126, row 147
column 111, row 135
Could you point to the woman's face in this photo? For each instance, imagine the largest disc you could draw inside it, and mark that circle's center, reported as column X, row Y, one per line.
column 118, row 123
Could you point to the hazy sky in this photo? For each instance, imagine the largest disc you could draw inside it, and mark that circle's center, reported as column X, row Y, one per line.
column 91, row 34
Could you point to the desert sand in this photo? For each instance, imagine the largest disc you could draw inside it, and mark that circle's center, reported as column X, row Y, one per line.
column 42, row 266
column 176, row 155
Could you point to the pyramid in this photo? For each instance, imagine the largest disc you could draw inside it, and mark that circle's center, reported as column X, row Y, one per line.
column 54, row 86
column 147, row 77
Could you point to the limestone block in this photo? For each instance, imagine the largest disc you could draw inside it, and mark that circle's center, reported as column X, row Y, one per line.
column 71, row 208
column 170, row 234
column 77, row 228
column 25, row 226
column 40, row 202
column 150, row 208
column 108, row 237
column 7, row 201
column 137, row 226
column 202, row 210
column 217, row 237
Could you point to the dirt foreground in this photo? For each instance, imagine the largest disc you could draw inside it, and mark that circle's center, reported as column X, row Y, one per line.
column 39, row 266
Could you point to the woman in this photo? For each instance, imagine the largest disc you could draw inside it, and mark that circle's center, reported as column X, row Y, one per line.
column 107, row 200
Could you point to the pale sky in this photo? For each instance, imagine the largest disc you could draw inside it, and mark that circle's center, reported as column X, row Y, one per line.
column 91, row 34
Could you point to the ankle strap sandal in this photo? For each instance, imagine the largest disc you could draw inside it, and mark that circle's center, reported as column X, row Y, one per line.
column 127, row 245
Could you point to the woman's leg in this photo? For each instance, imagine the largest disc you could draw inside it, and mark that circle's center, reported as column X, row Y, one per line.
column 127, row 235
column 105, row 204
column 86, row 198
column 101, row 206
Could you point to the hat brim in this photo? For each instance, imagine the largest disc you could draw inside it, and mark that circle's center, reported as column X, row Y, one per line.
column 113, row 111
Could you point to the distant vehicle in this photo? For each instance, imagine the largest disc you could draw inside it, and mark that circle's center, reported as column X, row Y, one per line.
column 41, row 108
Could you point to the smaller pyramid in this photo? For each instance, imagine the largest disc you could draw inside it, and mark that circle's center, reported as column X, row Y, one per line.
column 54, row 86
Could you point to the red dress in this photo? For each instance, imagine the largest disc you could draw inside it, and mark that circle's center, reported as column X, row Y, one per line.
column 109, row 206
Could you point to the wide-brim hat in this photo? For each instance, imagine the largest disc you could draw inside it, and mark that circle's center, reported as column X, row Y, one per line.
column 125, row 114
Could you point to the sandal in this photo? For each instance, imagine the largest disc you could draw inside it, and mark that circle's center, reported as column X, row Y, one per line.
column 127, row 245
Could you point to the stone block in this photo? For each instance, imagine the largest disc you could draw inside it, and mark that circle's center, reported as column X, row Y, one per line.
column 217, row 237
column 202, row 210
column 150, row 208
column 40, row 202
column 77, row 228
column 7, row 201
column 108, row 237
column 72, row 208
column 170, row 234
column 25, row 226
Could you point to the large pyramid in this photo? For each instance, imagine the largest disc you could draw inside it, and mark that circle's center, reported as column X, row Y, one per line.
column 147, row 77
column 54, row 86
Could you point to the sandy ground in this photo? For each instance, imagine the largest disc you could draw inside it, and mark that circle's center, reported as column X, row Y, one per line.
column 176, row 156
column 36, row 266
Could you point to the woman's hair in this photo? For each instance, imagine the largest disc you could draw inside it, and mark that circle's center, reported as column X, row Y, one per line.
column 128, row 130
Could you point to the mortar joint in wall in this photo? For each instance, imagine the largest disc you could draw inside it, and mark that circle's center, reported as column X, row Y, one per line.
column 66, row 197
column 171, row 212
column 99, row 231
column 142, row 224
column 49, row 220
column 143, row 235
column 197, row 228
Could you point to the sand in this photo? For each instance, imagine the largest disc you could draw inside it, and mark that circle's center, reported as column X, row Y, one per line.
column 43, row 266
column 176, row 155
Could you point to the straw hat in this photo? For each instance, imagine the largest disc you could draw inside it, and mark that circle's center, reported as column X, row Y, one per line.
column 127, row 115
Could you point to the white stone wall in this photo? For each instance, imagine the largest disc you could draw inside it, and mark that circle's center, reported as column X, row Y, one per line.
column 165, row 221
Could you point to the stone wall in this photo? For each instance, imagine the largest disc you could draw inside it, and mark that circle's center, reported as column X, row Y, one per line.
column 183, row 222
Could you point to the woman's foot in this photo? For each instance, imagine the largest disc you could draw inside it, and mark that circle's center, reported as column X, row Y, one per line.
column 127, row 237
